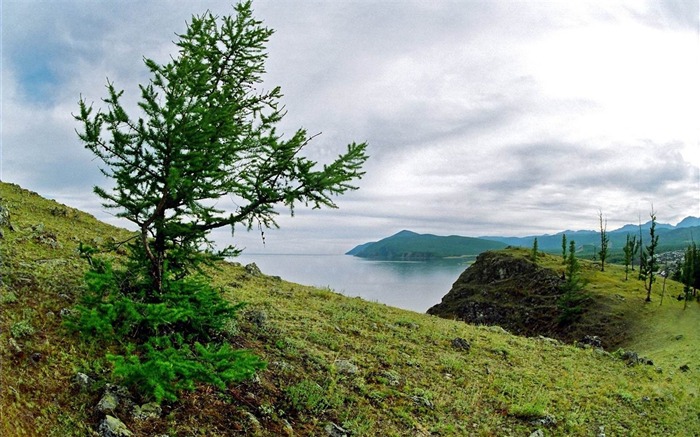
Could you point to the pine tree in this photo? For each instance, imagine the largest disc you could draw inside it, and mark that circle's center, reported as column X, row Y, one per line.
column 688, row 272
column 642, row 252
column 604, row 241
column 571, row 302
column 534, row 250
column 648, row 269
column 563, row 248
column 205, row 131
column 629, row 250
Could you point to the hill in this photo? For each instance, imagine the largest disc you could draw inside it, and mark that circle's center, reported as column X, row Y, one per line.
column 336, row 365
column 410, row 246
column 670, row 237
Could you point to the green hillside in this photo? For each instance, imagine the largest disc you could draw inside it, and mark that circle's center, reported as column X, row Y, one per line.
column 336, row 365
column 410, row 246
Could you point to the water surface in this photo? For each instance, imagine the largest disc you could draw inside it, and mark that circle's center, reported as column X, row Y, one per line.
column 413, row 286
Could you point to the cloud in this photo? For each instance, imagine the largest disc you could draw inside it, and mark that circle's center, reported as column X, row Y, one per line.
column 482, row 117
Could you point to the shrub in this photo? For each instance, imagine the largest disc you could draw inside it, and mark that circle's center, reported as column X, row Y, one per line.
column 167, row 340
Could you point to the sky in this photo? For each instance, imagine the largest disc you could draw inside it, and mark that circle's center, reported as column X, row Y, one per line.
column 482, row 117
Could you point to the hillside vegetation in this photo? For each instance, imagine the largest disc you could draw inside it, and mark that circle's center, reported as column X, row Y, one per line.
column 336, row 365
column 410, row 246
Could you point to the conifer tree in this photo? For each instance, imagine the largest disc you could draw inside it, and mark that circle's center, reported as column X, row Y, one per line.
column 642, row 253
column 563, row 248
column 688, row 272
column 604, row 241
column 629, row 251
column 206, row 130
column 571, row 302
column 648, row 269
column 534, row 250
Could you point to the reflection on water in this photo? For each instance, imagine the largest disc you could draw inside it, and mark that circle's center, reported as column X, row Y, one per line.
column 410, row 285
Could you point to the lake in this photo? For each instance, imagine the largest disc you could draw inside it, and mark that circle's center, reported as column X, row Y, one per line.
column 414, row 286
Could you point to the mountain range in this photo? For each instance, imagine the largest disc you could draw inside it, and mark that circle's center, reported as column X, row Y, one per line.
column 411, row 246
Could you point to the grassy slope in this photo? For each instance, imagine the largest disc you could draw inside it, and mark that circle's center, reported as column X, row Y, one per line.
column 405, row 379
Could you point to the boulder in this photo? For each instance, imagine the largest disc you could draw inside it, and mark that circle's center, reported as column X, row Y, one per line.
column 113, row 427
column 333, row 430
column 461, row 344
column 150, row 410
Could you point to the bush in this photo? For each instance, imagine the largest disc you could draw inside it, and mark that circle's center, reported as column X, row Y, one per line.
column 307, row 396
column 167, row 340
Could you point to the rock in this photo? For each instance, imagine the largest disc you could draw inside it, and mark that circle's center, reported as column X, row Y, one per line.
column 346, row 367
column 113, row 427
column 150, row 410
column 461, row 344
column 36, row 357
column 392, row 378
column 67, row 312
column 14, row 346
column 601, row 431
column 108, row 403
column 253, row 269
column 537, row 433
column 83, row 381
column 593, row 340
column 498, row 329
column 334, row 430
column 631, row 358
column 287, row 428
column 548, row 340
column 545, row 421
column 257, row 317
column 113, row 396
column 253, row 422
column 684, row 368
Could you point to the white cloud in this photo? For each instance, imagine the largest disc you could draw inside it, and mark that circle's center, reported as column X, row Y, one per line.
column 482, row 117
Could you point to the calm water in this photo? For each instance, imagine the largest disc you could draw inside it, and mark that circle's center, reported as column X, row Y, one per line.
column 413, row 286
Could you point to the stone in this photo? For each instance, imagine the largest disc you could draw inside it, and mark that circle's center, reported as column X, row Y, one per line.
column 113, row 427
column 108, row 403
column 150, row 410
column 461, row 344
column 346, row 367
column 548, row 340
column 537, row 433
column 593, row 340
column 253, row 422
column 113, row 396
column 82, row 380
column 287, row 428
column 334, row 430
column 257, row 317
column 14, row 346
column 545, row 421
column 253, row 269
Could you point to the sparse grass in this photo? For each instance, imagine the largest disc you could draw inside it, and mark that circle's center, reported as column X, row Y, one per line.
column 406, row 377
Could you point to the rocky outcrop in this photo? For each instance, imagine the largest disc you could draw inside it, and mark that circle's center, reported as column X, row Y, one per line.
column 510, row 291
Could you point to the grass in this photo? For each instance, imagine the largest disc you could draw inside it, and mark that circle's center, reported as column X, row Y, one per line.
column 366, row 367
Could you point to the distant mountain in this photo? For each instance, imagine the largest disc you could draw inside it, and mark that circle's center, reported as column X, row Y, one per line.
column 670, row 237
column 410, row 246
column 407, row 245
column 689, row 222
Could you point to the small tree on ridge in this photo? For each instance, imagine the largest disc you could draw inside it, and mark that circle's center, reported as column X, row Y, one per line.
column 205, row 131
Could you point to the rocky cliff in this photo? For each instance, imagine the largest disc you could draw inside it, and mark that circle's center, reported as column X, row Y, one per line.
column 505, row 288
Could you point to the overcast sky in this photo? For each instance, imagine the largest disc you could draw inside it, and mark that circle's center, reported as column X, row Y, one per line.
column 482, row 117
